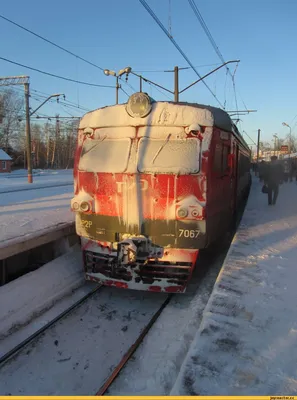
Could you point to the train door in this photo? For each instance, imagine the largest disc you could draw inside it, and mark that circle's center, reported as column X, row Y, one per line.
column 220, row 193
column 226, row 178
column 234, row 176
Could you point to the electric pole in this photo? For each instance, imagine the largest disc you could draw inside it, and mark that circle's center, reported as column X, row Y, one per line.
column 28, row 133
column 117, row 90
column 258, row 145
column 176, row 91
column 23, row 80
column 57, row 141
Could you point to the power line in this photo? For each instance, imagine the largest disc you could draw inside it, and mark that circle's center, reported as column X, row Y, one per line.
column 213, row 43
column 36, row 96
column 54, row 75
column 249, row 137
column 125, row 92
column 130, row 86
column 160, row 91
column 64, row 102
column 206, row 30
column 153, row 15
column 180, row 68
column 50, row 42
column 61, row 48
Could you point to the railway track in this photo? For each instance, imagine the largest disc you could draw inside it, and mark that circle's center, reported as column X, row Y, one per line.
column 132, row 349
column 127, row 356
column 32, row 337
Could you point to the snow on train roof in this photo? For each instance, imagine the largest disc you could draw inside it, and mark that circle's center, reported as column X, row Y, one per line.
column 163, row 113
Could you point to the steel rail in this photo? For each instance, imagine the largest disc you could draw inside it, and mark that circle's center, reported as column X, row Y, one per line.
column 29, row 339
column 132, row 349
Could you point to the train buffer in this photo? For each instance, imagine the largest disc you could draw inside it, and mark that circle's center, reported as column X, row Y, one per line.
column 247, row 339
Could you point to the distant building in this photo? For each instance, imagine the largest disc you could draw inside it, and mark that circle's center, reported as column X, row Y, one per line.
column 266, row 154
column 5, row 162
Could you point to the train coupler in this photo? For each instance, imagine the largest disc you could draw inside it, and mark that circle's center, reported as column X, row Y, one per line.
column 134, row 249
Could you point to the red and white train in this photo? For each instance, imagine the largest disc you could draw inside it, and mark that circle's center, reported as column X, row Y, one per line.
column 155, row 182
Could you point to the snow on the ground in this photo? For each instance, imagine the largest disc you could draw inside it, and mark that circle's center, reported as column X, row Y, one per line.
column 154, row 367
column 32, row 294
column 246, row 344
column 28, row 211
column 17, row 180
column 77, row 354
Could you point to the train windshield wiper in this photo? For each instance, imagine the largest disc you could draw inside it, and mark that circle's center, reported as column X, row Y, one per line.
column 161, row 148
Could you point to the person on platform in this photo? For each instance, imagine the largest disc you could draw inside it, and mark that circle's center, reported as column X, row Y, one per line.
column 273, row 178
column 262, row 169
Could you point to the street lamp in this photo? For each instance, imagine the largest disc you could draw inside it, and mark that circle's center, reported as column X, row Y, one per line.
column 121, row 72
column 290, row 137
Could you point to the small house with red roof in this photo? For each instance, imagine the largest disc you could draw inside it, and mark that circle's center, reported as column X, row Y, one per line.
column 5, row 162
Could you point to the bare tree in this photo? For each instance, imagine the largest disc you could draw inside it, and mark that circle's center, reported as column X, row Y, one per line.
column 12, row 109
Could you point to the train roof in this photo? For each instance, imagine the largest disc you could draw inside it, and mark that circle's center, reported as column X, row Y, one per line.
column 165, row 114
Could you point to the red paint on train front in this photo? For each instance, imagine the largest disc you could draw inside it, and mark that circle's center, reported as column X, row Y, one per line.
column 157, row 193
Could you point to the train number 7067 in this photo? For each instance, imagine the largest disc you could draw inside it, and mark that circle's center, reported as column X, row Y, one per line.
column 189, row 233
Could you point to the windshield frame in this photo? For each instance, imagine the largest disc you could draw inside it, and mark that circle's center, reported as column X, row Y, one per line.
column 112, row 166
column 169, row 170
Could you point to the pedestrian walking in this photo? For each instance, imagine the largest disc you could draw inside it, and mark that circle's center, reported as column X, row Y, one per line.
column 273, row 178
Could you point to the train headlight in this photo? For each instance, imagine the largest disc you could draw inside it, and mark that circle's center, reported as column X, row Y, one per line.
column 182, row 213
column 139, row 105
column 75, row 206
column 85, row 206
column 195, row 213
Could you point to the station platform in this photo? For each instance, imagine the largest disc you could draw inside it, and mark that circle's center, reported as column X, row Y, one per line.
column 28, row 213
column 246, row 343
column 32, row 218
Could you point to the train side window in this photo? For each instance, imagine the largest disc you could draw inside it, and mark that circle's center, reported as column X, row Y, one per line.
column 226, row 151
column 217, row 165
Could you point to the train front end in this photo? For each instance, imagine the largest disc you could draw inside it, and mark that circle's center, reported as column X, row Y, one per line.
column 140, row 194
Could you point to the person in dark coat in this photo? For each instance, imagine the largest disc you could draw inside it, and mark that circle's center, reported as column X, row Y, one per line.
column 273, row 178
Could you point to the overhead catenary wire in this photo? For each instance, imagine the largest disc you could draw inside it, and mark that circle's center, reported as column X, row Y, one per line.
column 52, row 43
column 160, row 91
column 213, row 43
column 180, row 68
column 39, row 98
column 206, row 30
column 61, row 48
column 154, row 16
column 125, row 92
column 44, row 95
column 54, row 75
column 249, row 137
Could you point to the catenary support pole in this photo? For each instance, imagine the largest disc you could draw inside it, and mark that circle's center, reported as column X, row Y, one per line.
column 28, row 133
column 176, row 84
column 258, row 145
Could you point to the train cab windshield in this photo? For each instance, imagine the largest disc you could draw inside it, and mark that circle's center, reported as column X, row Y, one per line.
column 166, row 155
column 107, row 155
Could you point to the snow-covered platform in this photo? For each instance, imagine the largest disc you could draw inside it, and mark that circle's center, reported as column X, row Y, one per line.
column 32, row 215
column 31, row 301
column 246, row 344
